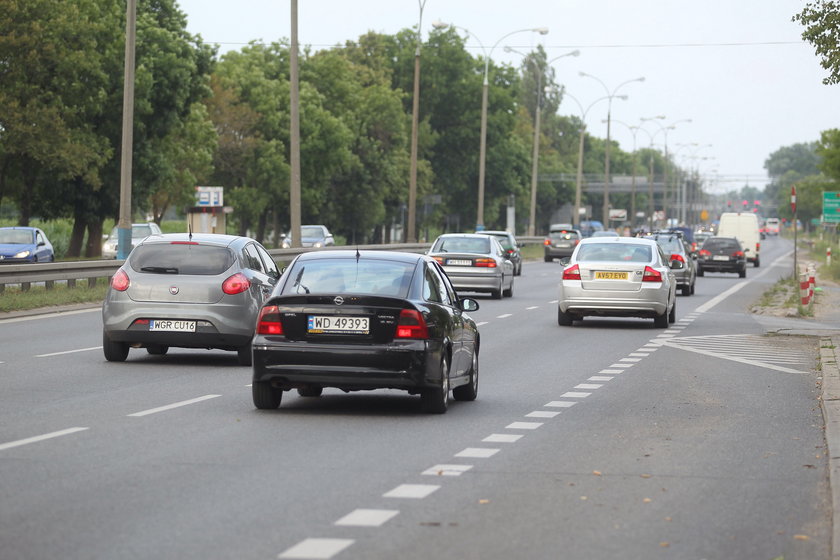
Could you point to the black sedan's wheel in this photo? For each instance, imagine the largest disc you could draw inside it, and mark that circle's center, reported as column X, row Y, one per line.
column 265, row 396
column 157, row 349
column 548, row 259
column 114, row 351
column 436, row 399
column 243, row 355
column 699, row 271
column 469, row 391
column 743, row 272
column 310, row 391
column 564, row 319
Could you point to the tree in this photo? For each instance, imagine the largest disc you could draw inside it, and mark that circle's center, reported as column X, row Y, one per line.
column 828, row 150
column 821, row 19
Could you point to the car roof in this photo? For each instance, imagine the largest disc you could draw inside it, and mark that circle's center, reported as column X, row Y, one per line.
column 494, row 232
column 622, row 240
column 28, row 228
column 203, row 238
column 397, row 256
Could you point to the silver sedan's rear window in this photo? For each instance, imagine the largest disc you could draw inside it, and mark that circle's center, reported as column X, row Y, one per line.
column 614, row 252
column 181, row 258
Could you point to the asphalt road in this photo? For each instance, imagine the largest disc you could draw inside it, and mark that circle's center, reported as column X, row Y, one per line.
column 609, row 439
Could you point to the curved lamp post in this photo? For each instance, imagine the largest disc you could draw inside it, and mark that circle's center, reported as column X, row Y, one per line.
column 535, row 156
column 485, row 86
column 664, row 130
column 610, row 95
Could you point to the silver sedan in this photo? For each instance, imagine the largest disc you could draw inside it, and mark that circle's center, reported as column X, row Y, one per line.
column 474, row 263
column 618, row 277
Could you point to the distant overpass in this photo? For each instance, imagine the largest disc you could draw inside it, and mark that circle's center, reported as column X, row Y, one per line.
column 595, row 183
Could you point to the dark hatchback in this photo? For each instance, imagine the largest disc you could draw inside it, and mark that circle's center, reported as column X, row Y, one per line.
column 722, row 254
column 366, row 320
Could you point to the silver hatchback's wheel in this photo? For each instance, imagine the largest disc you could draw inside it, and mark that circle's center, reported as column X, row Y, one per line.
column 436, row 399
column 114, row 351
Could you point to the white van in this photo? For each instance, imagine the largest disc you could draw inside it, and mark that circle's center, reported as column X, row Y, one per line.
column 744, row 226
column 772, row 226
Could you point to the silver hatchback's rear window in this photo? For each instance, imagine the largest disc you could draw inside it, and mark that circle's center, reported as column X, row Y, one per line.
column 181, row 258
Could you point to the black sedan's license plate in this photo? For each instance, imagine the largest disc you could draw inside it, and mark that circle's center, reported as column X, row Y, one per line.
column 332, row 324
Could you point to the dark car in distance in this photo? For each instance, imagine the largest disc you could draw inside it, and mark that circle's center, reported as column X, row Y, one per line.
column 364, row 320
column 722, row 254
column 561, row 242
column 676, row 247
column 187, row 291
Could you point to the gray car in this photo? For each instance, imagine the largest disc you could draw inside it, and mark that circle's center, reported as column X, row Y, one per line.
column 676, row 248
column 188, row 291
column 511, row 247
column 474, row 263
column 561, row 242
column 618, row 277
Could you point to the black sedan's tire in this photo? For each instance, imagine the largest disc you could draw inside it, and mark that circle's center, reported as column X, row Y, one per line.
column 742, row 273
column 548, row 259
column 469, row 391
column 564, row 319
column 436, row 399
column 243, row 355
column 157, row 349
column 265, row 396
column 114, row 351
column 699, row 271
column 310, row 391
column 686, row 290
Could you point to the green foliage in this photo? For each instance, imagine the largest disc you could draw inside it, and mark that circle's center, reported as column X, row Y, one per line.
column 821, row 19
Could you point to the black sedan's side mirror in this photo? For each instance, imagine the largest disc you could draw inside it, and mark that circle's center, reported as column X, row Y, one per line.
column 468, row 304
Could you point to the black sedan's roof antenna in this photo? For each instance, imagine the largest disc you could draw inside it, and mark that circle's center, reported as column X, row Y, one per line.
column 358, row 255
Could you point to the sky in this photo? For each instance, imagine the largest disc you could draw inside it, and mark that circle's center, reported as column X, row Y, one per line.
column 733, row 77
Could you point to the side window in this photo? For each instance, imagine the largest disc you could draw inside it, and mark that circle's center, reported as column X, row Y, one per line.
column 447, row 292
column 38, row 238
column 431, row 288
column 252, row 258
column 270, row 266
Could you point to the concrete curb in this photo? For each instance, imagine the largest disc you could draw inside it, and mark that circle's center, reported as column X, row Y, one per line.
column 830, row 403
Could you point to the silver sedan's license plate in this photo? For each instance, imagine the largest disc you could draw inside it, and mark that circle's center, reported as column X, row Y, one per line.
column 171, row 325
column 459, row 262
column 338, row 324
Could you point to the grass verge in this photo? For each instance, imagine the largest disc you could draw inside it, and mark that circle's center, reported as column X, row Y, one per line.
column 15, row 299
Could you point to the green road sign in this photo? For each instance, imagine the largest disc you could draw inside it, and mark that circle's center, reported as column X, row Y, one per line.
column 831, row 207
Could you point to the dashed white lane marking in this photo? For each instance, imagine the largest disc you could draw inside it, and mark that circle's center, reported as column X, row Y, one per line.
column 575, row 395
column 600, row 378
column 504, row 316
column 629, row 360
column 68, row 352
column 639, row 354
column 523, row 425
column 43, row 437
column 542, row 414
column 625, row 365
column 447, row 470
column 532, row 307
column 367, row 517
column 477, row 452
column 560, row 404
column 611, row 371
column 316, row 549
column 481, row 323
column 503, row 438
column 588, row 386
column 414, row 491
column 173, row 405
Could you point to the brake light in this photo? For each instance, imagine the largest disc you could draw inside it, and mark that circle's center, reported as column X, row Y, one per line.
column 183, row 242
column 485, row 263
column 757, row 247
column 572, row 273
column 269, row 321
column 651, row 275
column 704, row 253
column 547, row 242
column 120, row 281
column 236, row 284
column 738, row 254
column 411, row 325
column 439, row 260
column 677, row 257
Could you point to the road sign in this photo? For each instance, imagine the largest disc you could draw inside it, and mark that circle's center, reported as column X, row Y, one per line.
column 793, row 199
column 831, row 207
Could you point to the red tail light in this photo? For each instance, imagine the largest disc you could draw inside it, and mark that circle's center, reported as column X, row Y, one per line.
column 439, row 260
column 547, row 242
column 651, row 275
column 738, row 254
column 120, row 281
column 269, row 321
column 411, row 325
column 572, row 273
column 485, row 263
column 757, row 247
column 704, row 253
column 236, row 284
column 677, row 257
column 577, row 241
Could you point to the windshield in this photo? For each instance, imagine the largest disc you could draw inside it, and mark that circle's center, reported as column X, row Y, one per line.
column 16, row 236
column 339, row 276
column 311, row 231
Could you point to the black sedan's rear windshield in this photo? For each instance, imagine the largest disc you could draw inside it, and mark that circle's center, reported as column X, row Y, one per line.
column 181, row 258
column 340, row 276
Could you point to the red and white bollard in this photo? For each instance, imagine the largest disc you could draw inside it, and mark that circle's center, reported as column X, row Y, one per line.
column 804, row 289
column 828, row 256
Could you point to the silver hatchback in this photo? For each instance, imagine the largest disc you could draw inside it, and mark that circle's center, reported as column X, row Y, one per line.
column 618, row 277
column 188, row 291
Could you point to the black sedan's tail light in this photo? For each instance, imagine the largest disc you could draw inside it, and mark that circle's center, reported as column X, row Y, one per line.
column 269, row 321
column 411, row 325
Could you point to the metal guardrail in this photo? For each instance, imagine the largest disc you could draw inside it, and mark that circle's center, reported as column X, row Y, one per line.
column 73, row 272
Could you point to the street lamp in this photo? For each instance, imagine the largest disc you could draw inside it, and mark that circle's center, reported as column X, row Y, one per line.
column 536, row 150
column 485, row 86
column 610, row 95
column 664, row 130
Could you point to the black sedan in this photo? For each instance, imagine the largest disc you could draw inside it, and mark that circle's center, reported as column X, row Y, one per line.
column 366, row 320
column 722, row 254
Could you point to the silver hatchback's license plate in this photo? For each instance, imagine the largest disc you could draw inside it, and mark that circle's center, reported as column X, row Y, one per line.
column 338, row 324
column 171, row 325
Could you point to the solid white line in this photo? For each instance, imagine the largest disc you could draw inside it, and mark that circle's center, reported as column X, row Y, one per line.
column 416, row 491
column 502, row 438
column 523, row 425
column 447, row 470
column 173, row 405
column 367, row 517
column 542, row 414
column 69, row 352
column 720, row 297
column 316, row 549
column 477, row 452
column 561, row 404
column 36, row 439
